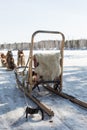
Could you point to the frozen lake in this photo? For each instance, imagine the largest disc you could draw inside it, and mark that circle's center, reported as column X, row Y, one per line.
column 67, row 116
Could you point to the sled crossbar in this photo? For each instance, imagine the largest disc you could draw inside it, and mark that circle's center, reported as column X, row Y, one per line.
column 50, row 81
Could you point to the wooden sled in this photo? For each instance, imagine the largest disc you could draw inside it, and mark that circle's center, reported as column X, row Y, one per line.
column 46, row 70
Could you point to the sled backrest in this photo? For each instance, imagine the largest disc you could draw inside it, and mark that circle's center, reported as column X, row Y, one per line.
column 31, row 55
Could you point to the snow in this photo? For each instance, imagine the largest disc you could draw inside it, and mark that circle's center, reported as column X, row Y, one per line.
column 67, row 116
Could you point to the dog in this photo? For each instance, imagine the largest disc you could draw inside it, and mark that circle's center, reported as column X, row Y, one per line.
column 21, row 58
column 30, row 110
column 3, row 59
column 10, row 60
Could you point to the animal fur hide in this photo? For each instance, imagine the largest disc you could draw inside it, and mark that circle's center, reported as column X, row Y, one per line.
column 48, row 65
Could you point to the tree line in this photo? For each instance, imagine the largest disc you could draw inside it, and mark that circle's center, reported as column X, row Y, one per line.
column 47, row 44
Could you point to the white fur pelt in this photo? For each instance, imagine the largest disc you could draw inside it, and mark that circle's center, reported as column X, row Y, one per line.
column 49, row 65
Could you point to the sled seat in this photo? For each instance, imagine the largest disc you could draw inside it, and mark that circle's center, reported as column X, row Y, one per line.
column 47, row 65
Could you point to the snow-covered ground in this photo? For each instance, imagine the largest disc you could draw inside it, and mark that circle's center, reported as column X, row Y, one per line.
column 67, row 116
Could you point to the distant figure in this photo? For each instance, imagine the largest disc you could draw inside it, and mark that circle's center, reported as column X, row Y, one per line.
column 20, row 58
column 10, row 60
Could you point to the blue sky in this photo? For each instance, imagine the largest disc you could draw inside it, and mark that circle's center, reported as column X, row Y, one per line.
column 20, row 18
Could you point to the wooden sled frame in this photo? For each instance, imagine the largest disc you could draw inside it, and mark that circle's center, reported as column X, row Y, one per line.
column 31, row 55
column 30, row 83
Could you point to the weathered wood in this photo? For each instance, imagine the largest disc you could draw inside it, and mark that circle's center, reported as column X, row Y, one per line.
column 69, row 97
